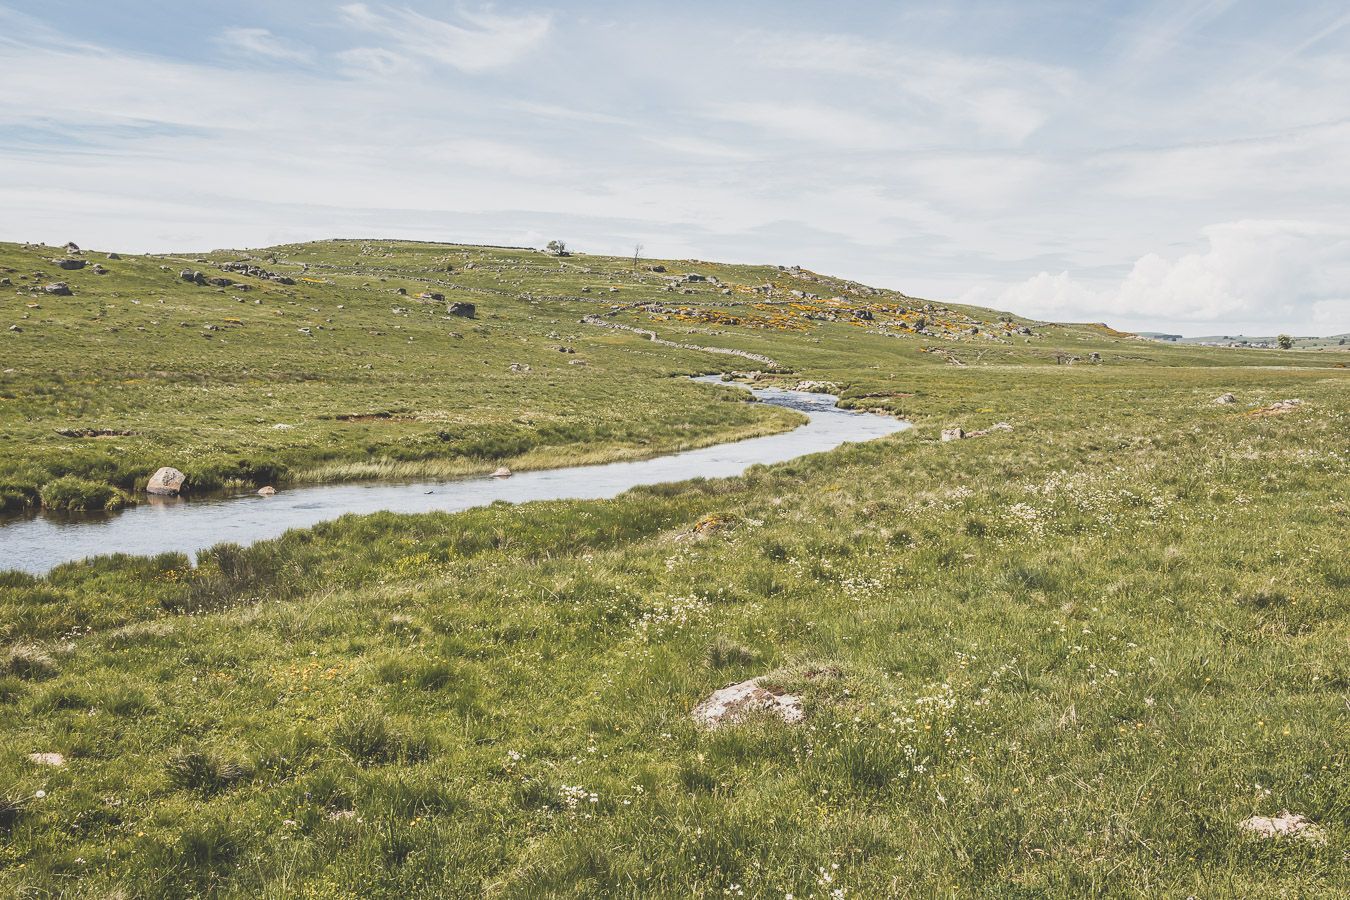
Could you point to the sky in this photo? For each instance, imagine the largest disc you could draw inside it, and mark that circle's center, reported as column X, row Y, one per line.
column 1179, row 166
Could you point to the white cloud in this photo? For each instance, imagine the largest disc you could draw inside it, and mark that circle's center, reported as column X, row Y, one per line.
column 1284, row 273
column 261, row 42
column 484, row 40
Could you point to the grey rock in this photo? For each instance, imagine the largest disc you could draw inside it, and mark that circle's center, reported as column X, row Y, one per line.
column 167, row 481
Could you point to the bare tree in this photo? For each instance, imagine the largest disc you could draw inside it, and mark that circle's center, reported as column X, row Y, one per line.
column 637, row 254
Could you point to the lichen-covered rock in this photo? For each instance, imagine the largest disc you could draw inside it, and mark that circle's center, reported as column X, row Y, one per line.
column 733, row 704
column 167, row 482
column 1286, row 824
column 952, row 434
column 1225, row 399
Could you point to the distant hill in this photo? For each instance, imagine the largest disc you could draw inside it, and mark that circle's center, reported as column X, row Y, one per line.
column 1265, row 342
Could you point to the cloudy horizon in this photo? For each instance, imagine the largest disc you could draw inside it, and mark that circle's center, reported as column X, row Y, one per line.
column 1173, row 167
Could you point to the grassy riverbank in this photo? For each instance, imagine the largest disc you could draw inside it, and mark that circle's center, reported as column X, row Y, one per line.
column 1059, row 661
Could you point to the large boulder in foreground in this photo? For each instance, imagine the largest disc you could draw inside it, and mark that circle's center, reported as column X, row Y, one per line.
column 167, row 482
column 733, row 704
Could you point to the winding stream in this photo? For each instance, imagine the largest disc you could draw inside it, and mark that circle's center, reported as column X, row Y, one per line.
column 38, row 543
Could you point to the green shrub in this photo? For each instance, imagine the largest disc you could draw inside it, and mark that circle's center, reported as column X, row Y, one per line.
column 75, row 494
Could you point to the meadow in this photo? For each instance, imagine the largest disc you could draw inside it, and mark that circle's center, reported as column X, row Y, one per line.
column 1061, row 660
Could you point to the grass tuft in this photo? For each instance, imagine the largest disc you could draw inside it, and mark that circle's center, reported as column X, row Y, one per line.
column 205, row 771
column 29, row 662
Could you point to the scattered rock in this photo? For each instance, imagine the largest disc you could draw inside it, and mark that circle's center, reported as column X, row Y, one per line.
column 658, row 269
column 167, row 481
column 1280, row 407
column 71, row 247
column 218, row 281
column 5, row 282
column 47, row 759
column 576, row 362
column 114, row 256
column 733, row 704
column 15, row 328
column 460, row 308
column 431, row 295
column 1286, row 824
column 282, row 426
column 956, row 434
column 1225, row 399
column 817, row 387
column 266, row 491
column 402, row 292
column 58, row 289
column 69, row 264
column 503, row 472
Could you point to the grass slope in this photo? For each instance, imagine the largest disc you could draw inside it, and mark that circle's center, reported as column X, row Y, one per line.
column 1060, row 661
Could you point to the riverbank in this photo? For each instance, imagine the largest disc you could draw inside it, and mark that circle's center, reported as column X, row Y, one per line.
column 188, row 527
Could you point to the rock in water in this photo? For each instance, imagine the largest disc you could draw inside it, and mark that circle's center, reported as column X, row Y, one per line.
column 266, row 491
column 503, row 472
column 167, row 481
column 732, row 704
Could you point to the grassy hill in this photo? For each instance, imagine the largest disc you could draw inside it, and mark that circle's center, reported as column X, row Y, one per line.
column 1059, row 661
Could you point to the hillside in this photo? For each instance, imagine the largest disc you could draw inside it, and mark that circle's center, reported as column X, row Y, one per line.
column 339, row 360
column 1067, row 657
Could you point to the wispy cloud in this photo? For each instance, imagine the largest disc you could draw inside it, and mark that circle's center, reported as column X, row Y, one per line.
column 477, row 42
column 263, row 43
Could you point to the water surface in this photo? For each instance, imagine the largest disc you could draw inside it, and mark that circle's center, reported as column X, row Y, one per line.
column 38, row 543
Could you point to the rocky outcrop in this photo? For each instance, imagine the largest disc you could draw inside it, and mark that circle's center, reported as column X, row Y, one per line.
column 69, row 264
column 460, row 308
column 734, row 704
column 58, row 289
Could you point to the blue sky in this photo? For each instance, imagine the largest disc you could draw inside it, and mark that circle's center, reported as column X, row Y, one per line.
column 1177, row 166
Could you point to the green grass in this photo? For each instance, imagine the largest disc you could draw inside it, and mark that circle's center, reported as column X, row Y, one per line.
column 1063, row 661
